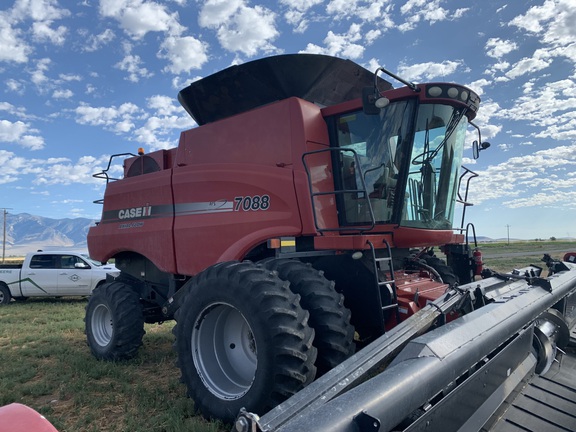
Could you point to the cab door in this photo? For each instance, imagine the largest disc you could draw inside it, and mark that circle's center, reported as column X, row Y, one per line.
column 41, row 278
column 74, row 276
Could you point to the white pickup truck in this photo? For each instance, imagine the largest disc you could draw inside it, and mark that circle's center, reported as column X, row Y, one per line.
column 52, row 274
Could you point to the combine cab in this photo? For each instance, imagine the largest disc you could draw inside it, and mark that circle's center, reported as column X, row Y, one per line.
column 297, row 224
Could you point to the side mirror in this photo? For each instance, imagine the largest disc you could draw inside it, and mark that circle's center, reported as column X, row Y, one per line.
column 80, row 265
column 477, row 148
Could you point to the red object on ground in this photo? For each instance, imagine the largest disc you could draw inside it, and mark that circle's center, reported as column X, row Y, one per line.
column 570, row 257
column 20, row 418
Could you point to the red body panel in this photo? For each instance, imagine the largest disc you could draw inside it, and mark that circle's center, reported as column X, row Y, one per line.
column 148, row 231
column 415, row 290
column 20, row 418
column 233, row 184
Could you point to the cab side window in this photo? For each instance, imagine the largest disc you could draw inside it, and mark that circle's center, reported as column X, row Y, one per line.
column 69, row 262
column 43, row 262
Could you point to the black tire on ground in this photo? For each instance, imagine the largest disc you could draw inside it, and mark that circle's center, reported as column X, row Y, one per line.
column 114, row 322
column 330, row 319
column 242, row 340
column 445, row 272
column 4, row 294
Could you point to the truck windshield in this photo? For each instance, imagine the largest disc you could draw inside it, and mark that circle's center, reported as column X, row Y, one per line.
column 382, row 143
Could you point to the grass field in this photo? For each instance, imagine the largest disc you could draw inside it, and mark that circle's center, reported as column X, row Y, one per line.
column 522, row 253
column 46, row 364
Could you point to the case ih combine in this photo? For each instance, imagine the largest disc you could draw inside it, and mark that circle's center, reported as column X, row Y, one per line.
column 296, row 224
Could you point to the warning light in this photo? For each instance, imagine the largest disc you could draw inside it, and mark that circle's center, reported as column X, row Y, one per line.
column 140, row 151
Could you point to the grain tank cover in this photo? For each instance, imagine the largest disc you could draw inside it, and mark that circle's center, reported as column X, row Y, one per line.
column 319, row 79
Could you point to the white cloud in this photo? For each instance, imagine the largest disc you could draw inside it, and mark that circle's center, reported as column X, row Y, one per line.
column 426, row 10
column 297, row 14
column 19, row 112
column 367, row 11
column 138, row 17
column 38, row 76
column 70, row 77
column 157, row 128
column 235, row 27
column 498, row 48
column 38, row 10
column 488, row 110
column 552, row 24
column 522, row 181
column 551, row 108
column 478, row 86
column 133, row 65
column 342, row 45
column 528, row 66
column 214, row 13
column 108, row 117
column 12, row 47
column 183, row 54
column 42, row 13
column 43, row 32
column 65, row 172
column 15, row 86
column 20, row 133
column 62, row 94
column 301, row 5
column 95, row 42
column 164, row 105
column 429, row 71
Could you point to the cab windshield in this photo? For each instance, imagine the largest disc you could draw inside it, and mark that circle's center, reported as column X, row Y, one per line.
column 435, row 162
column 414, row 185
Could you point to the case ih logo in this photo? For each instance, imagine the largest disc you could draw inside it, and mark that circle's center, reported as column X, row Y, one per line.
column 135, row 212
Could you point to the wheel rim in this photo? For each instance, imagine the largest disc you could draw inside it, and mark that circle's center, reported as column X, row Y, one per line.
column 102, row 328
column 224, row 351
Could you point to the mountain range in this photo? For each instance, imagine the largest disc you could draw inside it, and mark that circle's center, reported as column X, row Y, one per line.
column 26, row 233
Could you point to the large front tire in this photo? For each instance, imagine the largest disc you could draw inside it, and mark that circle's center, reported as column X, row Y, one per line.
column 242, row 341
column 330, row 319
column 114, row 322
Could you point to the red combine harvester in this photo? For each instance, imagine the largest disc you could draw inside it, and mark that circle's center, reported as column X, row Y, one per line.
column 298, row 222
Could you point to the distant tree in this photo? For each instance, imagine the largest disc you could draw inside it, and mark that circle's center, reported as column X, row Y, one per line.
column 553, row 238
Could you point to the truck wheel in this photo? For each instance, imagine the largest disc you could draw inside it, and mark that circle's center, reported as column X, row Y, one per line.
column 329, row 318
column 4, row 294
column 242, row 340
column 114, row 322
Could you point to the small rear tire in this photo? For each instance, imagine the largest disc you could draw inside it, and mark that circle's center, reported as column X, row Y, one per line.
column 114, row 322
column 5, row 296
column 242, row 341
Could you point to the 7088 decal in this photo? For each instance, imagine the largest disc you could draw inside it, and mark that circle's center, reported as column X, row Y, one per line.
column 252, row 203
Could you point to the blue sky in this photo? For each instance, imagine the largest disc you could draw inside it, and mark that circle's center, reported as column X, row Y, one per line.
column 85, row 79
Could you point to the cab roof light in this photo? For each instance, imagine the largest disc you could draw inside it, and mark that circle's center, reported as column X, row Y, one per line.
column 453, row 91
